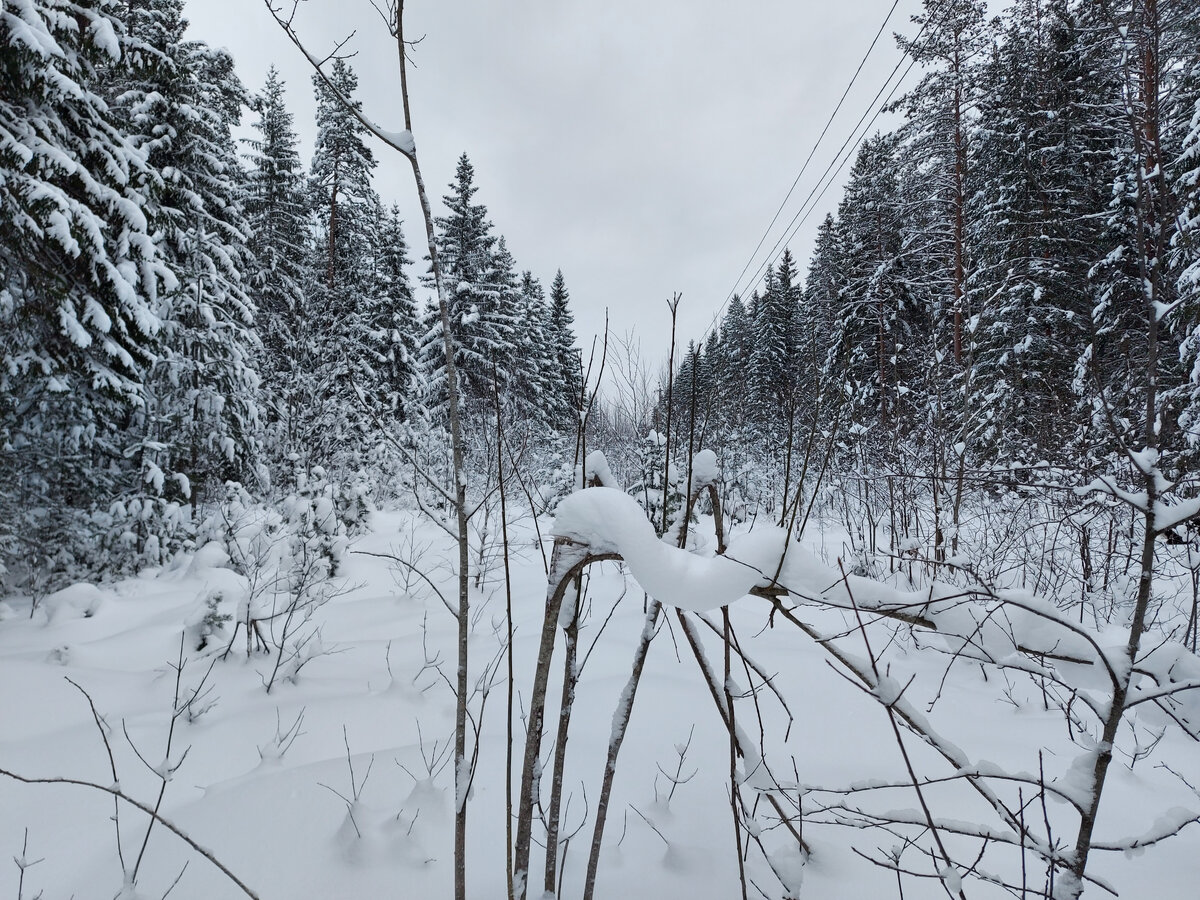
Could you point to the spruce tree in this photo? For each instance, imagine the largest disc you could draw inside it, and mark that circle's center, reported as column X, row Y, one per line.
column 1130, row 280
column 500, row 302
column 276, row 210
column 535, row 380
column 1186, row 243
column 389, row 320
column 201, row 422
column 346, row 210
column 774, row 356
column 567, row 374
column 876, row 321
column 709, row 387
column 936, row 182
column 80, row 278
column 732, row 363
column 483, row 296
column 819, row 327
column 1043, row 176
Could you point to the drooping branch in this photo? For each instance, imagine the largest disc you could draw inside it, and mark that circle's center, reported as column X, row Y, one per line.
column 118, row 794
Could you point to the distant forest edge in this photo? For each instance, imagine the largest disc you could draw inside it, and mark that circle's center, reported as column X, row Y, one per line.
column 1010, row 285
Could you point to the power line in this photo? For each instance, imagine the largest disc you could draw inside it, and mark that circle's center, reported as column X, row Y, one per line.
column 812, row 152
column 839, row 159
column 855, row 135
column 852, row 142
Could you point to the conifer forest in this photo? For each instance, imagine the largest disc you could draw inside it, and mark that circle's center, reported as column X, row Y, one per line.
column 337, row 560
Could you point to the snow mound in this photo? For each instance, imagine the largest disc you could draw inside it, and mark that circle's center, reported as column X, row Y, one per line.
column 79, row 601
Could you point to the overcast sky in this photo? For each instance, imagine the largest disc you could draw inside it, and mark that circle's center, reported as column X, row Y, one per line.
column 642, row 146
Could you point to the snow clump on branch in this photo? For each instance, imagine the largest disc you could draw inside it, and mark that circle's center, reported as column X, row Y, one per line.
column 610, row 521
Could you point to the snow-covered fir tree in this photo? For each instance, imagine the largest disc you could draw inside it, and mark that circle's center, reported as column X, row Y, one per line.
column 276, row 209
column 822, row 292
column 346, row 210
column 567, row 375
column 1133, row 47
column 534, row 384
column 1186, row 248
column 80, row 281
column 484, row 297
column 200, row 426
column 1036, row 225
column 937, row 168
column 775, row 347
column 390, row 326
column 877, row 324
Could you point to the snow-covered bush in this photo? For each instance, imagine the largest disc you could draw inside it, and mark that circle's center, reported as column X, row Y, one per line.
column 143, row 531
column 317, row 533
column 209, row 622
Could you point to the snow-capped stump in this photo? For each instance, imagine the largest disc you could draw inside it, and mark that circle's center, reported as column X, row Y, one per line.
column 595, row 469
column 705, row 470
column 609, row 521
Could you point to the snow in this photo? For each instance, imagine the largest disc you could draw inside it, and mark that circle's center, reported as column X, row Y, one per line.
column 104, row 37
column 888, row 690
column 1170, row 515
column 595, row 466
column 401, row 140
column 609, row 520
column 952, row 879
column 257, row 784
column 75, row 602
column 704, row 469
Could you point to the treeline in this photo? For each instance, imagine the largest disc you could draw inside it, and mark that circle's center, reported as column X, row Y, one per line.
column 1013, row 274
column 178, row 311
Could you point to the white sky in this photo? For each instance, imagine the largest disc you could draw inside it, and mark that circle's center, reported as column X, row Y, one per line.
column 640, row 145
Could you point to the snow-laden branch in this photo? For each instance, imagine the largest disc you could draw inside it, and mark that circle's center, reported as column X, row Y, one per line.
column 1165, row 826
column 1168, row 512
column 1007, row 628
column 607, row 520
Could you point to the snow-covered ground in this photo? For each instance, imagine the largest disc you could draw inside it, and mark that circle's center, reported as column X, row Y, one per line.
column 338, row 785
